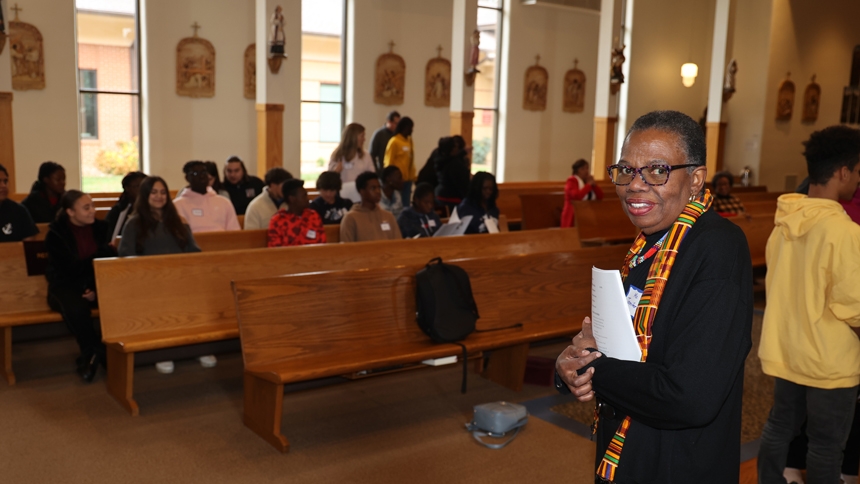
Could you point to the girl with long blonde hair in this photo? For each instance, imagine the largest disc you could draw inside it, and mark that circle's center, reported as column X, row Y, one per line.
column 350, row 159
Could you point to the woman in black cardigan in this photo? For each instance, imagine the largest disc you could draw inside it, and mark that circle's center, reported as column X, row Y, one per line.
column 74, row 239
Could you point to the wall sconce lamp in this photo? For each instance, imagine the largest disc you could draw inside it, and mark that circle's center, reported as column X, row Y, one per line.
column 689, row 71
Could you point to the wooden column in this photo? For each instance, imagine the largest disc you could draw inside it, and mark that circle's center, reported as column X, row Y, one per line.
column 270, row 137
column 604, row 146
column 716, row 141
column 461, row 123
column 7, row 147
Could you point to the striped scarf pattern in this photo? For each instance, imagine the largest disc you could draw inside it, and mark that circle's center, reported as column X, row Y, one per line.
column 646, row 311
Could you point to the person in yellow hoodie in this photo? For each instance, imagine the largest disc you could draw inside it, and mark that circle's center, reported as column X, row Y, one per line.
column 809, row 339
column 401, row 154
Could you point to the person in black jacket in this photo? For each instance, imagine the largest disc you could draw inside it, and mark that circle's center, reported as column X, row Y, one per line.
column 15, row 221
column 452, row 172
column 674, row 415
column 420, row 220
column 241, row 186
column 122, row 210
column 73, row 241
column 44, row 197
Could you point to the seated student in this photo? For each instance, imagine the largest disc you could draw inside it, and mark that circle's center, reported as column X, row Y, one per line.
column 420, row 219
column 725, row 203
column 579, row 186
column 297, row 224
column 480, row 203
column 267, row 203
column 73, row 241
column 15, row 221
column 215, row 179
column 392, row 184
column 241, row 186
column 452, row 171
column 366, row 221
column 44, row 198
column 156, row 228
column 329, row 205
column 204, row 209
column 119, row 213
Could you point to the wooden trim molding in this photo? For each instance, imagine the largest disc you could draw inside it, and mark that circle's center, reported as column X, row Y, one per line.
column 270, row 137
column 604, row 146
column 715, row 140
column 7, row 146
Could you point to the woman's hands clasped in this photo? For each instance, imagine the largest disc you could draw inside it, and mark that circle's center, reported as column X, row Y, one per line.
column 575, row 357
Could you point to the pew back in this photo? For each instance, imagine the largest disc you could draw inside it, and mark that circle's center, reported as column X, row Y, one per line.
column 541, row 210
column 184, row 291
column 373, row 320
column 757, row 229
column 19, row 293
column 603, row 221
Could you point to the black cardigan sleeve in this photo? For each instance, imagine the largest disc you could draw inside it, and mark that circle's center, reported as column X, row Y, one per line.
column 702, row 348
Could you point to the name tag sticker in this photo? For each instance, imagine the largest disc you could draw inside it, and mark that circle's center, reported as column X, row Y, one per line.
column 633, row 297
column 197, row 212
column 431, row 223
column 249, row 193
column 311, row 234
column 405, row 148
column 385, row 226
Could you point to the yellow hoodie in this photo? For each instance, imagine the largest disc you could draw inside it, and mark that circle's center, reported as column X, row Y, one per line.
column 813, row 295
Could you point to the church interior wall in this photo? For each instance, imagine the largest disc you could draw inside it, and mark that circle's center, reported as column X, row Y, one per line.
column 542, row 145
column 807, row 38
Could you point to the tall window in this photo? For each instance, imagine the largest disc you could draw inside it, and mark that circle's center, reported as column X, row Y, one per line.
column 486, row 121
column 323, row 23
column 108, row 83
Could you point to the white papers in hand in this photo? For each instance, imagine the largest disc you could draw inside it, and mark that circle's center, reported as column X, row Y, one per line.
column 454, row 218
column 453, row 229
column 610, row 318
column 490, row 223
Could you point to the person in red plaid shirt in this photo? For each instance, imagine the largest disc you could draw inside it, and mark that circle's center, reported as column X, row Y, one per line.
column 298, row 224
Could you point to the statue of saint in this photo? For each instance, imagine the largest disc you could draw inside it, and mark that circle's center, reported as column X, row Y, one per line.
column 729, row 82
column 475, row 40
column 618, row 59
column 279, row 39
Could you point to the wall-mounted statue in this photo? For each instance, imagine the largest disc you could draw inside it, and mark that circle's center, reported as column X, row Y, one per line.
column 535, row 87
column 811, row 101
column 729, row 82
column 785, row 99
column 27, row 55
column 616, row 77
column 2, row 29
column 278, row 40
column 195, row 66
column 574, row 90
column 437, row 81
column 474, row 57
column 250, row 70
column 390, row 80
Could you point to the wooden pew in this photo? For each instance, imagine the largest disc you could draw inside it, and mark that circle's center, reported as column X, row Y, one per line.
column 760, row 207
column 541, row 210
column 603, row 222
column 758, row 196
column 742, row 189
column 373, row 323
column 186, row 299
column 23, row 300
column 757, row 229
column 509, row 196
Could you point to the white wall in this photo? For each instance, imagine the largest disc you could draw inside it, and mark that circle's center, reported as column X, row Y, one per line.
column 416, row 27
column 666, row 34
column 183, row 128
column 543, row 145
column 744, row 112
column 45, row 121
column 807, row 38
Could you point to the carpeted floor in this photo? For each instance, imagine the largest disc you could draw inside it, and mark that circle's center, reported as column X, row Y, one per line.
column 405, row 427
column 758, row 395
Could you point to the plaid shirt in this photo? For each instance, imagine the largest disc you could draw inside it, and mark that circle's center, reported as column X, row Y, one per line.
column 729, row 204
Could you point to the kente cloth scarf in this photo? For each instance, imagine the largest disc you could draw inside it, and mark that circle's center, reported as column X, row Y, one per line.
column 658, row 275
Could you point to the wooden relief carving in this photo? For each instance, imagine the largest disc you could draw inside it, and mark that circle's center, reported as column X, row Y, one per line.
column 195, row 66
column 250, row 67
column 390, row 80
column 535, row 87
column 574, row 90
column 785, row 99
column 27, row 55
column 811, row 101
column 437, row 82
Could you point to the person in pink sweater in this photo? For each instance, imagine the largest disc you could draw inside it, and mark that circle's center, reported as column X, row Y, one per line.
column 204, row 209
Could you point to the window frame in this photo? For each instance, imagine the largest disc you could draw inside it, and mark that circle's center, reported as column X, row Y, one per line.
column 496, row 82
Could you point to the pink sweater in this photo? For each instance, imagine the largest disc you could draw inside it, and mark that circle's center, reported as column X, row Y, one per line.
column 207, row 213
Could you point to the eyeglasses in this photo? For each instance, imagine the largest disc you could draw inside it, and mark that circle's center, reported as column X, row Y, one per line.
column 654, row 175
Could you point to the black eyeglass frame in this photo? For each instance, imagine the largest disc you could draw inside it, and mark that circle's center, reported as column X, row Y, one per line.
column 638, row 171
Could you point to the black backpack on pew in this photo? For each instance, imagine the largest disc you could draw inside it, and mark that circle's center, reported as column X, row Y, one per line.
column 445, row 308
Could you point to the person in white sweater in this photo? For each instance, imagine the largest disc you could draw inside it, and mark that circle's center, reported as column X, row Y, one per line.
column 265, row 205
column 350, row 159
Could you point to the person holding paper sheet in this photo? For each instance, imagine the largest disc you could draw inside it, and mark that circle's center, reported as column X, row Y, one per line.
column 675, row 416
column 420, row 220
column 480, row 203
